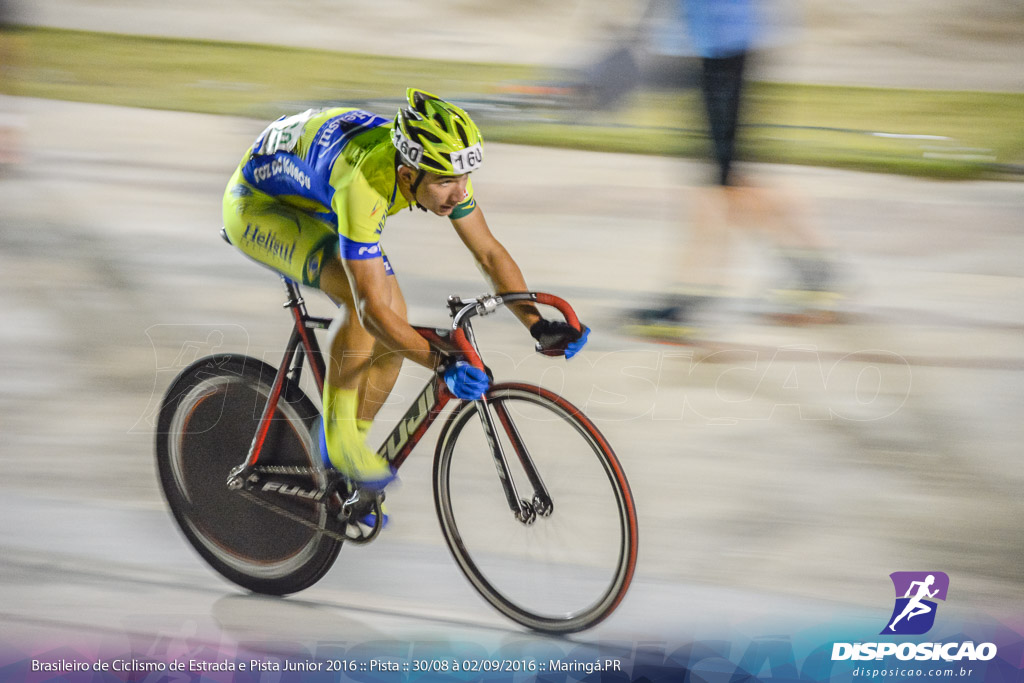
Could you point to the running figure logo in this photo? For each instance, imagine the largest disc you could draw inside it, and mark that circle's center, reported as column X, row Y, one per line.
column 914, row 612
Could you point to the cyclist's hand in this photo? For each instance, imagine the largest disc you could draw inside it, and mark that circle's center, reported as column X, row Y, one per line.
column 465, row 381
column 557, row 338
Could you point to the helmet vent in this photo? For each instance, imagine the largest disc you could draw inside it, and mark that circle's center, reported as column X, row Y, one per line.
column 461, row 130
column 427, row 162
column 419, row 102
column 427, row 135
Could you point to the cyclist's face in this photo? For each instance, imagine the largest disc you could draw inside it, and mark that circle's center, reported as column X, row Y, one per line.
column 441, row 194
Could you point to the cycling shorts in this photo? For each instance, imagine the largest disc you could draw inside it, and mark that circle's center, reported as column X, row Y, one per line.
column 278, row 235
column 722, row 86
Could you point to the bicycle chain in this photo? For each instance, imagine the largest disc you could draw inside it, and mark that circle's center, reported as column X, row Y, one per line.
column 288, row 514
column 295, row 470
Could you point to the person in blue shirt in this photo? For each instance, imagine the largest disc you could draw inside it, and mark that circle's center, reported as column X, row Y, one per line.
column 723, row 34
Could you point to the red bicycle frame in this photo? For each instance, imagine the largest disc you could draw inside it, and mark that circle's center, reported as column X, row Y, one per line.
column 435, row 395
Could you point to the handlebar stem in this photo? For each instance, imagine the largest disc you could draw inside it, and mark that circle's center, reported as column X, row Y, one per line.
column 462, row 310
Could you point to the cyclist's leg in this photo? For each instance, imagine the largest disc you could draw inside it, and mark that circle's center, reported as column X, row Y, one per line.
column 350, row 345
column 303, row 248
column 361, row 373
column 358, row 361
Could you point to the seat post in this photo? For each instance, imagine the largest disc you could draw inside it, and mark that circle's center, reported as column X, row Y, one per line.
column 295, row 299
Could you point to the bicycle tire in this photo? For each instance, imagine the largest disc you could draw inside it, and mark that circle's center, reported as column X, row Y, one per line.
column 205, row 428
column 484, row 541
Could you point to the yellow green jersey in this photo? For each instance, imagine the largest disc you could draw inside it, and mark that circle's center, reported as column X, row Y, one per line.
column 337, row 165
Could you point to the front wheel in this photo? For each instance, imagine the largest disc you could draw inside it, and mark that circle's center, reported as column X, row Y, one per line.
column 566, row 564
column 206, row 425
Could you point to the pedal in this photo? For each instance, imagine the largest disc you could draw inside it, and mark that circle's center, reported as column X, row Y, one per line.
column 361, row 503
column 355, row 509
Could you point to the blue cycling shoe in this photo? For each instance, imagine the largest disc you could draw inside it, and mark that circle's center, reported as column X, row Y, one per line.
column 360, row 465
column 370, row 518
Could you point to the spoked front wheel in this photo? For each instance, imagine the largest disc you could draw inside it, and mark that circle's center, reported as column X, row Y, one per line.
column 565, row 560
column 206, row 426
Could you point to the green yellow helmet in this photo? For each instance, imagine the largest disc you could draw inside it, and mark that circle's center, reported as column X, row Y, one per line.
column 436, row 136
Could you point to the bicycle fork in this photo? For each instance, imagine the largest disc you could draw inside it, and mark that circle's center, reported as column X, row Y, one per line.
column 524, row 511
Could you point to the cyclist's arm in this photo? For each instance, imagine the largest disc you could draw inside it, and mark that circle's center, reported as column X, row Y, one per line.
column 496, row 263
column 360, row 214
column 371, row 295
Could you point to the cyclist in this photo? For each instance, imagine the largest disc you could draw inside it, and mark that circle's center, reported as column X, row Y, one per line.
column 310, row 200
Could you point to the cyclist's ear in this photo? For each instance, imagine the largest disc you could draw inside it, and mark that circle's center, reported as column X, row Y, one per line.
column 406, row 174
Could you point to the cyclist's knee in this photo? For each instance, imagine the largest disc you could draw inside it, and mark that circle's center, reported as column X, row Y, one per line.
column 334, row 283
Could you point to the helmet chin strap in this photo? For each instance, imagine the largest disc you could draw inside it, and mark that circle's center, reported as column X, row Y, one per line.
column 415, row 185
column 420, row 174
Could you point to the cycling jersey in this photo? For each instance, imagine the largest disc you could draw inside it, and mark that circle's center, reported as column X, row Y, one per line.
column 314, row 184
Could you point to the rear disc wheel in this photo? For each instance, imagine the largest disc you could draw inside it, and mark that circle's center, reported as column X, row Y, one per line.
column 206, row 426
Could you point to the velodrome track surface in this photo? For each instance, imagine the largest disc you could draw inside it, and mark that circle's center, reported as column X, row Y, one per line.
column 778, row 483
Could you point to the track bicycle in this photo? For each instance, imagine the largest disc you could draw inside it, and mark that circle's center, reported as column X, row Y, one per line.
column 532, row 501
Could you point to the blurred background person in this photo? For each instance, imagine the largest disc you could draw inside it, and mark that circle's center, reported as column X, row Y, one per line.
column 724, row 35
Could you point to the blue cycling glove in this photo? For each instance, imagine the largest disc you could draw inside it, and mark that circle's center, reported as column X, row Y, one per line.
column 557, row 338
column 465, row 381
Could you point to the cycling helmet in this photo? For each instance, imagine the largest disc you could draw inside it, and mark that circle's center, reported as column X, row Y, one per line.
column 436, row 136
